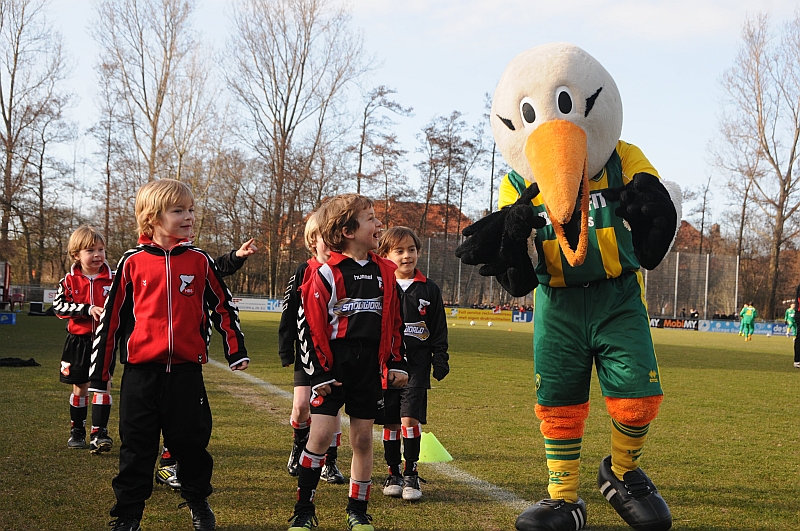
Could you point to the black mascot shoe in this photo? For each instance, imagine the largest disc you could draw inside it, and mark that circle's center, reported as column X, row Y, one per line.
column 553, row 515
column 635, row 498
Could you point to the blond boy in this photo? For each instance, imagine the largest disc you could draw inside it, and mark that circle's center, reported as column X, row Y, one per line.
column 177, row 293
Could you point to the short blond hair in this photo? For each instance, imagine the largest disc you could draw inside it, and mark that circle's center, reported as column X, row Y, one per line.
column 340, row 212
column 155, row 197
column 84, row 237
column 392, row 238
column 310, row 233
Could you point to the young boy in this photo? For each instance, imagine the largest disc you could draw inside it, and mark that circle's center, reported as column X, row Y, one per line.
column 289, row 345
column 81, row 295
column 352, row 311
column 227, row 264
column 177, row 293
column 426, row 344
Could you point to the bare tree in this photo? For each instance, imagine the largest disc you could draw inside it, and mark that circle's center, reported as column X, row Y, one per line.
column 763, row 87
column 289, row 63
column 373, row 124
column 145, row 42
column 32, row 63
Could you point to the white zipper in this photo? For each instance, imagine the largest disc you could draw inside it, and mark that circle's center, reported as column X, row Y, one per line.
column 169, row 312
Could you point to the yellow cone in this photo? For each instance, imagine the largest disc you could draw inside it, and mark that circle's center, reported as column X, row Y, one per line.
column 432, row 451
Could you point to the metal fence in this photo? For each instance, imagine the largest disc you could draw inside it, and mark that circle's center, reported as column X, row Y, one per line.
column 682, row 282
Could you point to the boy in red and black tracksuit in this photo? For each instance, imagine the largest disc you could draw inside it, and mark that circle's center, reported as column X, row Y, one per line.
column 352, row 311
column 80, row 298
column 177, row 294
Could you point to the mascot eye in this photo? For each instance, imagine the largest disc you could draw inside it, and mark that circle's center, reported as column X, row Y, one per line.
column 527, row 111
column 564, row 100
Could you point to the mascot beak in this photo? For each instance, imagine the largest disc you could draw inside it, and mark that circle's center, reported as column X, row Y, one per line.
column 557, row 154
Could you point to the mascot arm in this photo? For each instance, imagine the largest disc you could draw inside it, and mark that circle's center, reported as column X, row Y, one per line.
column 651, row 213
column 500, row 241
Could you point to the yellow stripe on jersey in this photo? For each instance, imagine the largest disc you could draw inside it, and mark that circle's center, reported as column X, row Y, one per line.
column 609, row 251
column 552, row 257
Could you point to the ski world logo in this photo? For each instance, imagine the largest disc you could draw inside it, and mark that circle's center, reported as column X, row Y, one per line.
column 418, row 330
column 187, row 284
column 347, row 307
column 423, row 306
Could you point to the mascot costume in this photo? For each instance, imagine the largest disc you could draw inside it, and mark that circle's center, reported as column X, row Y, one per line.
column 596, row 211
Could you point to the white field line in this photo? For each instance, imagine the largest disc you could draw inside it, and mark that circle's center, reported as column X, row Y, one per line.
column 453, row 472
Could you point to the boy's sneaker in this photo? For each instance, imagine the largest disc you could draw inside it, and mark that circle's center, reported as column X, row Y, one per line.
column 635, row 498
column 203, row 518
column 393, row 486
column 100, row 441
column 294, row 457
column 303, row 520
column 411, row 489
column 331, row 473
column 168, row 475
column 797, row 365
column 359, row 521
column 125, row 523
column 77, row 438
column 553, row 515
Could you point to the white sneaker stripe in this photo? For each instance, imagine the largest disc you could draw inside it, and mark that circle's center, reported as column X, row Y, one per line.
column 610, row 494
column 577, row 520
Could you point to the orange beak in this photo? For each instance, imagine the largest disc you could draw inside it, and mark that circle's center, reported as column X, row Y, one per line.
column 557, row 154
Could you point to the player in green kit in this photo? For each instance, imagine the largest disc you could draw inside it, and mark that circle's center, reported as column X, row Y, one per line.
column 791, row 324
column 748, row 315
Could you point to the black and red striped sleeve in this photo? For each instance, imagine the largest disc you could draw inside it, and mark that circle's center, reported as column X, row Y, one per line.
column 224, row 315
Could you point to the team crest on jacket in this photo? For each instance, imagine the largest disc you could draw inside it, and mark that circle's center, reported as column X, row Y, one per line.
column 418, row 330
column 106, row 289
column 423, row 306
column 187, row 285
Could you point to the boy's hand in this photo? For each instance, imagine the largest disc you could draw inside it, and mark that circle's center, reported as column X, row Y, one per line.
column 248, row 248
column 325, row 390
column 397, row 379
column 240, row 366
column 96, row 312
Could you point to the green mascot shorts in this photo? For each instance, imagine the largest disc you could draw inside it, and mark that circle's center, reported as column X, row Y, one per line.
column 603, row 322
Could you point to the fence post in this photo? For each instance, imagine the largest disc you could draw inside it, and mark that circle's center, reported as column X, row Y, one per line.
column 675, row 300
column 458, row 290
column 736, row 290
column 428, row 271
column 705, row 304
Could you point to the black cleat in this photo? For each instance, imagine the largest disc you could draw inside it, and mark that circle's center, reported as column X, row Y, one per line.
column 293, row 464
column 393, row 486
column 553, row 515
column 77, row 438
column 635, row 498
column 300, row 521
column 331, row 473
column 125, row 523
column 411, row 489
column 203, row 518
column 99, row 441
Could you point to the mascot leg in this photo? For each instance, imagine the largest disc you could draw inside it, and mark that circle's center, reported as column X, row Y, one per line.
column 626, row 487
column 562, row 428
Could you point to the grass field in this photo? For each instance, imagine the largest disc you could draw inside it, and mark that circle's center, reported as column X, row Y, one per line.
column 724, row 451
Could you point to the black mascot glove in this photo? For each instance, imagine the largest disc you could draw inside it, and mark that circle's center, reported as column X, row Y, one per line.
column 647, row 207
column 440, row 370
column 500, row 241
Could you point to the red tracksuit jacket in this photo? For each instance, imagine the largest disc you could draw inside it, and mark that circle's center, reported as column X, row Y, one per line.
column 160, row 309
column 77, row 293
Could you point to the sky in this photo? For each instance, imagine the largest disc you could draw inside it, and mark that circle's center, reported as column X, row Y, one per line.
column 667, row 58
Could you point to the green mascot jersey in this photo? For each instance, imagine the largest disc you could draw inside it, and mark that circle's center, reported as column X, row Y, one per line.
column 610, row 250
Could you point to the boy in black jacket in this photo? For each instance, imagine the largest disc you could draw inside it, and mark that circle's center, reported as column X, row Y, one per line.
column 425, row 337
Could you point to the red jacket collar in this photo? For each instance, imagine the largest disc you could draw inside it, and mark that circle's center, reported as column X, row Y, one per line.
column 105, row 271
column 144, row 239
